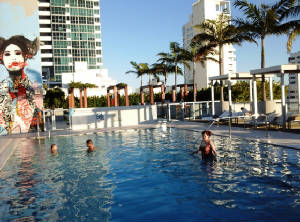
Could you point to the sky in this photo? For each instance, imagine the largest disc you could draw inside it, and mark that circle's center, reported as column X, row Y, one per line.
column 137, row 30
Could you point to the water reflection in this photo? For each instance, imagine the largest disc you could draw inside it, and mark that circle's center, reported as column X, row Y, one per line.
column 25, row 180
column 141, row 174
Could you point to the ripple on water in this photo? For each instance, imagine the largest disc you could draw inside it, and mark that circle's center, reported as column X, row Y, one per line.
column 150, row 174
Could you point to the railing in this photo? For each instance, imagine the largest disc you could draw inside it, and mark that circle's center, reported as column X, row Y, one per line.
column 184, row 110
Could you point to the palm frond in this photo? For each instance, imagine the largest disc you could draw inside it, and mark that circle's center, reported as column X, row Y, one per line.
column 292, row 36
column 285, row 8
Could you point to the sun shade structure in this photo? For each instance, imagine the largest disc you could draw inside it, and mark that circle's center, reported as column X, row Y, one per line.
column 116, row 100
column 151, row 87
column 280, row 71
column 228, row 78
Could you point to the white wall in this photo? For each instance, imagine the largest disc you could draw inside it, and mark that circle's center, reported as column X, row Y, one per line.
column 107, row 117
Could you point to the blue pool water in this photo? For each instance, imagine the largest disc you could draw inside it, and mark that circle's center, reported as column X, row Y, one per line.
column 149, row 175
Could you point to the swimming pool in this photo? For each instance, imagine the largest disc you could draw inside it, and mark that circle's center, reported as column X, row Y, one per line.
column 148, row 175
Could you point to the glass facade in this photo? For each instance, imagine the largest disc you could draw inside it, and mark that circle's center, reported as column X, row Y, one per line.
column 75, row 34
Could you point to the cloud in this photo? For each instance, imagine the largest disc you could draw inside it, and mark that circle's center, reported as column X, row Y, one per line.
column 30, row 6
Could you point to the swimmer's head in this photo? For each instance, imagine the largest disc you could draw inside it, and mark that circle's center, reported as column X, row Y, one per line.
column 53, row 148
column 206, row 134
column 89, row 143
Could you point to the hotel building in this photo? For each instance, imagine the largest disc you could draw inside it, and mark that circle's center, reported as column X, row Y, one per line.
column 70, row 32
column 293, row 97
column 202, row 10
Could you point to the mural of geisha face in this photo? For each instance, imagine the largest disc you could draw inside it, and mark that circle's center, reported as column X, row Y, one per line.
column 17, row 103
column 13, row 58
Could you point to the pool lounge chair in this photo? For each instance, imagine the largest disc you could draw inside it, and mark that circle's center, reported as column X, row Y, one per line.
column 263, row 120
column 277, row 121
column 224, row 117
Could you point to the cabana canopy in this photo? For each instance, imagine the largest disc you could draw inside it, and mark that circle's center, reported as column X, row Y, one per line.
column 228, row 78
column 279, row 70
column 283, row 69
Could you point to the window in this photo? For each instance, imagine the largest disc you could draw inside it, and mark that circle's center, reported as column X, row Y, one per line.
column 58, row 2
column 58, row 27
column 83, row 36
column 44, row 17
column 75, row 44
column 84, row 53
column 58, row 10
column 89, row 4
column 81, row 3
column 58, row 19
column 82, row 20
column 46, row 50
column 91, row 44
column 217, row 8
column 90, row 20
column 47, row 60
column 90, row 28
column 73, row 3
column 92, row 53
column 45, row 25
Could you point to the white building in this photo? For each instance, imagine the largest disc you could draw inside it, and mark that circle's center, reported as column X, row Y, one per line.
column 70, row 32
column 202, row 10
column 293, row 96
column 84, row 75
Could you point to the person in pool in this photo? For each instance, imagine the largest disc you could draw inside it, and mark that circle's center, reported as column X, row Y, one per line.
column 90, row 145
column 207, row 147
column 53, row 148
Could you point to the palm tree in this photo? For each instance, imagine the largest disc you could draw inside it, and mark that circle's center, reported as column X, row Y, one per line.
column 137, row 70
column 218, row 33
column 198, row 53
column 262, row 21
column 174, row 57
column 145, row 69
column 164, row 69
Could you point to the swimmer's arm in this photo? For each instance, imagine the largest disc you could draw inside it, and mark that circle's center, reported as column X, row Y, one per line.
column 212, row 145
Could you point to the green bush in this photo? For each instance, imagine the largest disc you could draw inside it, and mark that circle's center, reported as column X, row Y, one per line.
column 55, row 98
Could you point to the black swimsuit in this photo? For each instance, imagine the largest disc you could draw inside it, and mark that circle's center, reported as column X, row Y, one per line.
column 207, row 157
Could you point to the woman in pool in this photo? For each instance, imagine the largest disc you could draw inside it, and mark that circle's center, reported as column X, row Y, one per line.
column 207, row 147
column 17, row 106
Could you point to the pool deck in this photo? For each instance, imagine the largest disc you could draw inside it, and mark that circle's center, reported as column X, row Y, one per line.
column 285, row 139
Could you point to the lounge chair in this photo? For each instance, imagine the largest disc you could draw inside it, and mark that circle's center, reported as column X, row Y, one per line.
column 289, row 119
column 263, row 120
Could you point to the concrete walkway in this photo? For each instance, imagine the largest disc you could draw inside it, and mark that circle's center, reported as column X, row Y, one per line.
column 280, row 138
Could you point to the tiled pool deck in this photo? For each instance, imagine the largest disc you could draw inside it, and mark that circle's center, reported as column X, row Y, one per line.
column 287, row 139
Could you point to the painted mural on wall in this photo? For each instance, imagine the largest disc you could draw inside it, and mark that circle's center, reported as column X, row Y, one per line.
column 20, row 71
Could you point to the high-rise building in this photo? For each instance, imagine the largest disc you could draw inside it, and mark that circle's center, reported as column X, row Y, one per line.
column 69, row 32
column 202, row 10
column 293, row 97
